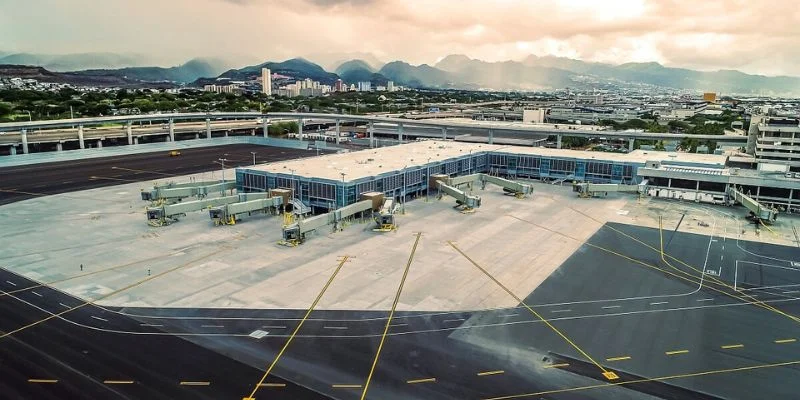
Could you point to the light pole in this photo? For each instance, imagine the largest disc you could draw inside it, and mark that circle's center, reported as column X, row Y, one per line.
column 222, row 162
column 292, row 188
column 254, row 157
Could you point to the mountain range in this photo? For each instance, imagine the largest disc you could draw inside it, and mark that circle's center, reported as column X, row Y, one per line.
column 453, row 71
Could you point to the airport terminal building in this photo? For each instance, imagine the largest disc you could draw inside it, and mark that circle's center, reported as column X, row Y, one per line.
column 403, row 172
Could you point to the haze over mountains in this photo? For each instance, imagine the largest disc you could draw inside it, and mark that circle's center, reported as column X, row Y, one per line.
column 453, row 71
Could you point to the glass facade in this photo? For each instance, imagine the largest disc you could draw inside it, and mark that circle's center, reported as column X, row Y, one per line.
column 325, row 193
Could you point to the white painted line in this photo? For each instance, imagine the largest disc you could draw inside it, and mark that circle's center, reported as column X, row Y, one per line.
column 64, row 305
column 400, row 324
column 608, row 307
column 334, row 327
column 509, row 315
column 274, row 327
column 11, row 283
column 212, row 326
column 560, row 311
column 36, row 293
column 705, row 300
column 258, row 334
column 101, row 319
column 454, row 320
column 151, row 325
column 791, row 291
column 659, row 302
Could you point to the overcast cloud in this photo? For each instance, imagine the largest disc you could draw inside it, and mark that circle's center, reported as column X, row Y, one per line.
column 752, row 36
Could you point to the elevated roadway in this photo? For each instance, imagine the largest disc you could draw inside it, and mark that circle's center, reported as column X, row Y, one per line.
column 197, row 122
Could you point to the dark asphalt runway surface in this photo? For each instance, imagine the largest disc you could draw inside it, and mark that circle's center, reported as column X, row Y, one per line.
column 27, row 181
column 642, row 320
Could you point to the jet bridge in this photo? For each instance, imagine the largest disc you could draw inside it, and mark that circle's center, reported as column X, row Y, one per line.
column 173, row 192
column 586, row 189
column 227, row 214
column 166, row 214
column 467, row 203
column 385, row 217
column 295, row 232
column 517, row 189
column 758, row 211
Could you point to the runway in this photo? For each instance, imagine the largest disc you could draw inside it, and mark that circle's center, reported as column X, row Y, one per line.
column 709, row 317
column 24, row 182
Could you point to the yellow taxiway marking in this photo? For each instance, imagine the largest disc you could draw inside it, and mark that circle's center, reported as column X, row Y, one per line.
column 635, row 381
column 618, row 358
column 346, row 386
column 273, row 385
column 781, row 341
column 487, row 373
column 674, row 352
column 299, row 325
column 413, row 381
column 113, row 382
column 391, row 315
column 557, row 365
column 606, row 373
column 732, row 346
column 42, row 380
column 195, row 383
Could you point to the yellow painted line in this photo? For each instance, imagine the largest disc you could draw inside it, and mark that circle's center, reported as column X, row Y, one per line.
column 732, row 346
column 780, row 341
column 672, row 353
column 487, row 373
column 413, row 381
column 345, row 386
column 273, row 385
column 112, row 293
column 297, row 328
column 391, row 315
column 557, row 365
column 608, row 374
column 618, row 358
column 195, row 383
column 42, row 380
column 643, row 380
column 113, row 382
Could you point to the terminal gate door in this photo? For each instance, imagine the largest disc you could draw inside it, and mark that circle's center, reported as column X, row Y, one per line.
column 580, row 170
column 544, row 168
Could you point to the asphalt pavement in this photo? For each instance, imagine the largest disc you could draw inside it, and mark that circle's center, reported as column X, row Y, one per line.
column 28, row 181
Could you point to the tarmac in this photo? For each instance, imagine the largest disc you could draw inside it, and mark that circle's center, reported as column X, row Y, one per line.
column 702, row 308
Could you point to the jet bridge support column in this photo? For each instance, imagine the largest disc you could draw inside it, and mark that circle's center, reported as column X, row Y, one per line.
column 265, row 127
column 400, row 132
column 13, row 150
column 80, row 137
column 24, row 135
column 128, row 131
column 630, row 144
column 558, row 140
column 60, row 146
column 491, row 136
column 208, row 128
column 444, row 133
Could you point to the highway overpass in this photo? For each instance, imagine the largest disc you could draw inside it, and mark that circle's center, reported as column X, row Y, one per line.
column 174, row 126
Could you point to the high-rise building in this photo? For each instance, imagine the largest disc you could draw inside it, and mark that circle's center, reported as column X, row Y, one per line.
column 266, row 81
column 390, row 86
column 775, row 140
column 339, row 86
column 365, row 86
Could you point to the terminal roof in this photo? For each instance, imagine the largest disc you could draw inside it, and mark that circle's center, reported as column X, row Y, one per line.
column 372, row 162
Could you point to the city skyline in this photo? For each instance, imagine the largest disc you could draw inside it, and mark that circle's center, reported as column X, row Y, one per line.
column 707, row 36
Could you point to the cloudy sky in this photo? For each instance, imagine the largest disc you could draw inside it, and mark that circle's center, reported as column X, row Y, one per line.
column 752, row 36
